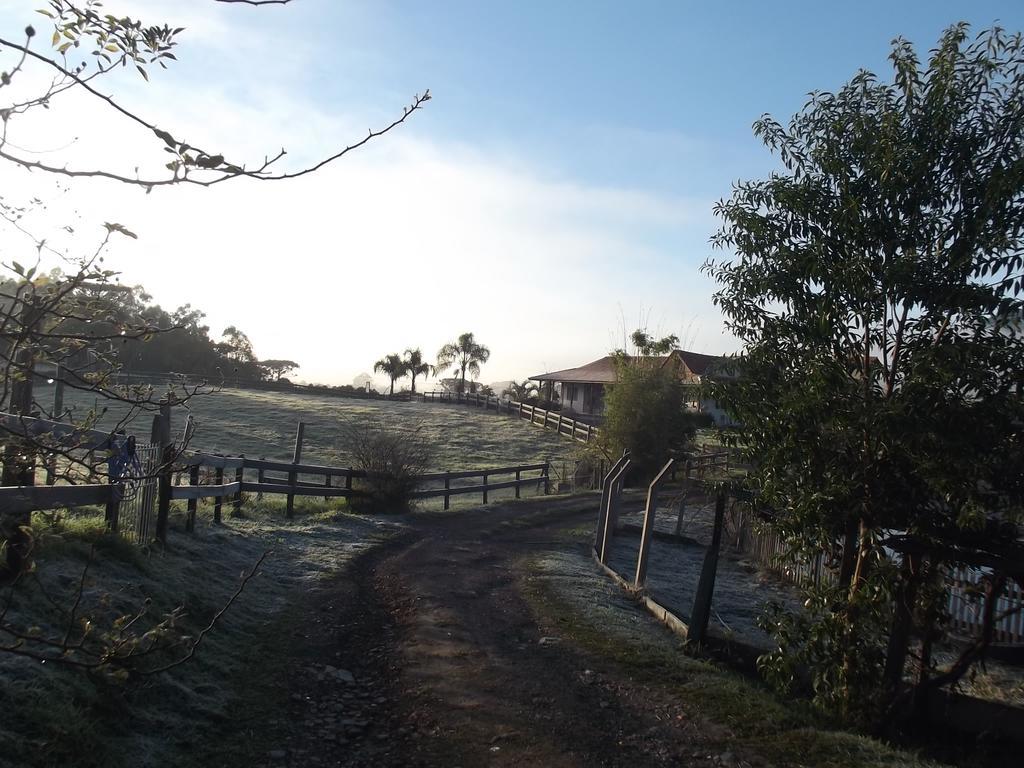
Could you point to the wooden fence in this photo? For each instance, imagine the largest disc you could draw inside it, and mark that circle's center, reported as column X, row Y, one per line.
column 291, row 485
column 564, row 425
column 165, row 475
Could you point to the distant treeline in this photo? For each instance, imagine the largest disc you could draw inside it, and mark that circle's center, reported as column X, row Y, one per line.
column 271, row 385
column 178, row 340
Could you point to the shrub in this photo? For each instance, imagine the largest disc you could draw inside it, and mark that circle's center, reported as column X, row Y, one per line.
column 645, row 412
column 392, row 460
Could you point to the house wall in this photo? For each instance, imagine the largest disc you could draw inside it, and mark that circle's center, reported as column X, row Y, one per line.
column 720, row 417
column 585, row 399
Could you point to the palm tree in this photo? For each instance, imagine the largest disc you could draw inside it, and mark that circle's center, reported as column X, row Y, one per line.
column 463, row 355
column 522, row 392
column 415, row 366
column 393, row 366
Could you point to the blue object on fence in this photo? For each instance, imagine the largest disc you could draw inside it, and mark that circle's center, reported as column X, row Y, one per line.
column 122, row 462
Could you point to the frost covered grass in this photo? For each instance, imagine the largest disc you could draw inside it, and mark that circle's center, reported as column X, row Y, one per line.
column 57, row 716
column 740, row 715
column 262, row 425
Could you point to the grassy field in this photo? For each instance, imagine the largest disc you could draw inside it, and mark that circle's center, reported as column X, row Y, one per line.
column 262, row 425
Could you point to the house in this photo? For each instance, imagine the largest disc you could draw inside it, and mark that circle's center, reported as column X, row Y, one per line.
column 583, row 388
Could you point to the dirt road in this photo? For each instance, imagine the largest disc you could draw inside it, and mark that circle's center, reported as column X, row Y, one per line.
column 428, row 652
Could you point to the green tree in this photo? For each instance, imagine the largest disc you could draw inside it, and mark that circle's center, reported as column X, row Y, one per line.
column 415, row 365
column 875, row 284
column 645, row 409
column 393, row 367
column 278, row 368
column 237, row 346
column 464, row 355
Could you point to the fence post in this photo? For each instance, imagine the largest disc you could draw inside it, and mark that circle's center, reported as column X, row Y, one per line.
column 113, row 509
column 236, row 508
column 259, row 479
column 193, row 479
column 58, row 393
column 682, row 497
column 293, row 476
column 518, row 475
column 547, row 478
column 650, row 512
column 218, row 479
column 162, row 437
column 447, row 487
column 701, row 612
column 485, row 487
column 327, row 484
column 611, row 516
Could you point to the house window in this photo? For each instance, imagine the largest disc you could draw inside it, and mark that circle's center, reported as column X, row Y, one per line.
column 570, row 392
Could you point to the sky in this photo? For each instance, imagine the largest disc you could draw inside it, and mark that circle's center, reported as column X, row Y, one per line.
column 556, row 191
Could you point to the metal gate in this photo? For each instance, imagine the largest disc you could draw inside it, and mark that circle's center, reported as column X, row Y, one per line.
column 139, row 480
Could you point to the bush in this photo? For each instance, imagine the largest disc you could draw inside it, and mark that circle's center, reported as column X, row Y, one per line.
column 645, row 412
column 392, row 459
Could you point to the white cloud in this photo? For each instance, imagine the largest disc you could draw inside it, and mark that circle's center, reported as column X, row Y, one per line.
column 408, row 241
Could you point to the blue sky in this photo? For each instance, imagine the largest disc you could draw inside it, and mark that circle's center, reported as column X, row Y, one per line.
column 557, row 188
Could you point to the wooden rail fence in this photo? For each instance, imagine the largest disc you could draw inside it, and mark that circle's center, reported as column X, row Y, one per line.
column 564, row 425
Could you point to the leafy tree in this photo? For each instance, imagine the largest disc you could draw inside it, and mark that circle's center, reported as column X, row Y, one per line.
column 645, row 344
column 393, row 367
column 278, row 368
column 464, row 355
column 645, row 409
column 81, row 318
column 876, row 284
column 415, row 365
column 237, row 346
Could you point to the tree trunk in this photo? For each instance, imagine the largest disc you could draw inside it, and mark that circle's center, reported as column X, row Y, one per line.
column 849, row 554
column 899, row 639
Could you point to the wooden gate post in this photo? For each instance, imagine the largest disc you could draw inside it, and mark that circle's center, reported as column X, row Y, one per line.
column 547, row 478
column 485, row 487
column 447, row 487
column 193, row 503
column 236, row 502
column 18, row 455
column 162, row 437
column 113, row 508
column 327, row 484
column 701, row 612
column 293, row 475
column 518, row 476
column 218, row 500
